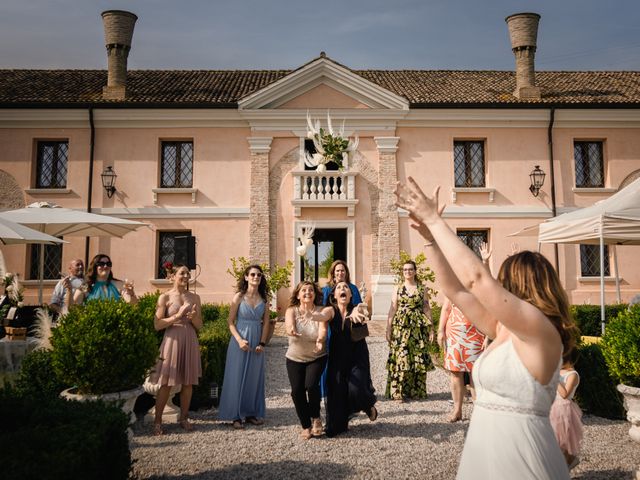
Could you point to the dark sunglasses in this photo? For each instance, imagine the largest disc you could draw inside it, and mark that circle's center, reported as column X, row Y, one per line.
column 255, row 274
column 104, row 264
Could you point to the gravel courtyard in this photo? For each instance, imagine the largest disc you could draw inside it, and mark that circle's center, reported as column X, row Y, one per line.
column 409, row 440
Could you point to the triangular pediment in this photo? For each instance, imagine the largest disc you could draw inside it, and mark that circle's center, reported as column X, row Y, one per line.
column 320, row 74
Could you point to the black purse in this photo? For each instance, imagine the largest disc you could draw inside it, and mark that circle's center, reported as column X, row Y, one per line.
column 359, row 331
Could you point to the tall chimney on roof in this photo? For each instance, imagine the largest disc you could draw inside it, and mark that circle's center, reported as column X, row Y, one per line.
column 523, row 30
column 118, row 30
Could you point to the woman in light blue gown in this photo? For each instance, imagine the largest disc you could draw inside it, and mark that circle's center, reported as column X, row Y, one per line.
column 243, row 397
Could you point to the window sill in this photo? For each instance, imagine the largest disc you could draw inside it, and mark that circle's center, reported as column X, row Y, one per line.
column 35, row 283
column 161, row 282
column 456, row 190
column 608, row 279
column 48, row 191
column 594, row 190
column 156, row 191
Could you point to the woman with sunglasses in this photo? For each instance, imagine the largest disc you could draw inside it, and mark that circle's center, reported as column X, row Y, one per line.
column 102, row 285
column 243, row 396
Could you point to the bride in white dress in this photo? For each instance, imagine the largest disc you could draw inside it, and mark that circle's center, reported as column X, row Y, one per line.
column 526, row 312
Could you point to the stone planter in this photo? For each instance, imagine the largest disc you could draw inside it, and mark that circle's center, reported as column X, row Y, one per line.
column 171, row 412
column 632, row 405
column 127, row 397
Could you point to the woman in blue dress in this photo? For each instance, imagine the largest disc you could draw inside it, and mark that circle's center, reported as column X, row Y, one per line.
column 102, row 285
column 243, row 397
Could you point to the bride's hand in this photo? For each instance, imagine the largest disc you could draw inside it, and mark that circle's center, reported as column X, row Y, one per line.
column 411, row 197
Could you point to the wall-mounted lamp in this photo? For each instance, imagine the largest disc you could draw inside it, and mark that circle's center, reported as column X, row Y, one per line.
column 537, row 180
column 109, row 181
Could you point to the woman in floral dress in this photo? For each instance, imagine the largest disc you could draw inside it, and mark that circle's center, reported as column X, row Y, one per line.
column 409, row 330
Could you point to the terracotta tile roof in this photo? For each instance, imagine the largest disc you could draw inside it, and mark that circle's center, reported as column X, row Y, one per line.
column 223, row 88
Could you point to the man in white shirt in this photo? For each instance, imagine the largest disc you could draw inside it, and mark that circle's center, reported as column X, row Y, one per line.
column 74, row 281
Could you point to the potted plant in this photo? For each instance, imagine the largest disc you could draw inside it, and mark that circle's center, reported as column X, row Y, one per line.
column 104, row 349
column 621, row 349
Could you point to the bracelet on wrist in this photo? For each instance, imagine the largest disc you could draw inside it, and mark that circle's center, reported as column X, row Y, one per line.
column 262, row 344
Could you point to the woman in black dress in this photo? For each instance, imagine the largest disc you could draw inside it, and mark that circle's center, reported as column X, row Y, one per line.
column 349, row 386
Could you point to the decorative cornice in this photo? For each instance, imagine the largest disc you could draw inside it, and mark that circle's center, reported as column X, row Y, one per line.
column 387, row 144
column 486, row 211
column 476, row 118
column 177, row 213
column 606, row 118
column 260, row 144
column 330, row 73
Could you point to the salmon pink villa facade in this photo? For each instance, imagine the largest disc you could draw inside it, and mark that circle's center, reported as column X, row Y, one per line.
column 219, row 155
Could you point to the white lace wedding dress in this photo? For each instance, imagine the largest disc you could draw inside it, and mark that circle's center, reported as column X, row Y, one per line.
column 509, row 435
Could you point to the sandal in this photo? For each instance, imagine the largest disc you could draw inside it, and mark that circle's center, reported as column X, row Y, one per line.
column 316, row 427
column 254, row 421
column 157, row 429
column 373, row 414
column 305, row 434
column 237, row 424
column 454, row 418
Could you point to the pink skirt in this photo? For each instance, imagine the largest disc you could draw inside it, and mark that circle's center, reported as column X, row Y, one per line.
column 566, row 419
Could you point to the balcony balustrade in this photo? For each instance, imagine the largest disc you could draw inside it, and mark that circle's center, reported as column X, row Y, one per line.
column 328, row 189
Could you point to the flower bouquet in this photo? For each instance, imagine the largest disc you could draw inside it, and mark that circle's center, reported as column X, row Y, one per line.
column 331, row 146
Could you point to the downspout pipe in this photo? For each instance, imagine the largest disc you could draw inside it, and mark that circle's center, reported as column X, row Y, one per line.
column 552, row 117
column 90, row 182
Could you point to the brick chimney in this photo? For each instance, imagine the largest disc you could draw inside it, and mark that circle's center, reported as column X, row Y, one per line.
column 523, row 30
column 118, row 30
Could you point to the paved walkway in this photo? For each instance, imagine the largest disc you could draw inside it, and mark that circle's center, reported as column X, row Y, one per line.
column 409, row 440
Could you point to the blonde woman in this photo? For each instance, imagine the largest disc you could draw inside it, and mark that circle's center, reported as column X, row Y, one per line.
column 178, row 313
column 306, row 324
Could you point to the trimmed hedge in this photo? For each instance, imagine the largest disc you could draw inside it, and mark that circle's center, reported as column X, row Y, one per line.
column 621, row 347
column 587, row 317
column 37, row 378
column 596, row 392
column 53, row 438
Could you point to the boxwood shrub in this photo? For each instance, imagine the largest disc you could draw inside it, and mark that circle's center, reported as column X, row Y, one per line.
column 596, row 394
column 587, row 317
column 54, row 438
column 104, row 346
column 37, row 378
column 621, row 347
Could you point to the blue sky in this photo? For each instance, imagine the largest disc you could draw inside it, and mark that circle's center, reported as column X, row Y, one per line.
column 274, row 34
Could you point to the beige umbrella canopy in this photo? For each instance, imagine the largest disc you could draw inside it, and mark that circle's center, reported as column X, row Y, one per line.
column 13, row 233
column 57, row 221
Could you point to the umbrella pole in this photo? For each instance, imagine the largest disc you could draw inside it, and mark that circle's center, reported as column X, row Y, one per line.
column 615, row 265
column 41, row 275
column 602, row 281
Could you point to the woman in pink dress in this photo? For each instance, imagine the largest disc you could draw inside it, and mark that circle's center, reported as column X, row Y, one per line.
column 463, row 344
column 178, row 312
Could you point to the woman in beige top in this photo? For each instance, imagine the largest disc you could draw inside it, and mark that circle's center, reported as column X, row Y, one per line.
column 306, row 324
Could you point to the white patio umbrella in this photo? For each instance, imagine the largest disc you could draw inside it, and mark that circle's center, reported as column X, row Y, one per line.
column 13, row 233
column 57, row 221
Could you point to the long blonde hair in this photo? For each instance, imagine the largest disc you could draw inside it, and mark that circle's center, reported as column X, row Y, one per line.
column 531, row 277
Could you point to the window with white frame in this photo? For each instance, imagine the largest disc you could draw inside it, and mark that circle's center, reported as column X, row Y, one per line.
column 51, row 164
column 176, row 164
column 468, row 162
column 172, row 248
column 590, row 261
column 589, row 164
column 473, row 239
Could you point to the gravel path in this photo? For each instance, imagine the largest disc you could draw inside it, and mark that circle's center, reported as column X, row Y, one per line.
column 409, row 440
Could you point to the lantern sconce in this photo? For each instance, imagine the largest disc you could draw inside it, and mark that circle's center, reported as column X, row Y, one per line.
column 537, row 180
column 109, row 181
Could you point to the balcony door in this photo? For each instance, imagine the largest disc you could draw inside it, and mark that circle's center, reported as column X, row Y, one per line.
column 329, row 244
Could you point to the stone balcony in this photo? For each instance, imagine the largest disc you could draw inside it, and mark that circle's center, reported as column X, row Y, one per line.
column 328, row 189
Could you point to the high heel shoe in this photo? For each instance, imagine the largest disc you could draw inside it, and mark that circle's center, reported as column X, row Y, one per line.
column 185, row 424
